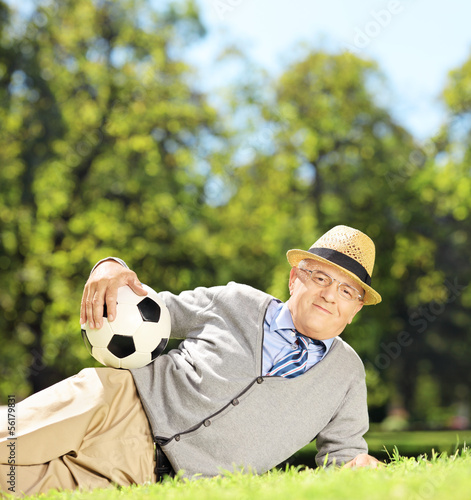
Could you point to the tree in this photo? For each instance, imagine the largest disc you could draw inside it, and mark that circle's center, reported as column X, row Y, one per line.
column 104, row 151
column 442, row 303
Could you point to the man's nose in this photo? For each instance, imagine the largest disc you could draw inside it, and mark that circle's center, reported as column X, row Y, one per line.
column 329, row 292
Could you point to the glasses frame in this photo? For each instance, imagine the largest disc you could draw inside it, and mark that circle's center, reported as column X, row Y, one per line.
column 340, row 283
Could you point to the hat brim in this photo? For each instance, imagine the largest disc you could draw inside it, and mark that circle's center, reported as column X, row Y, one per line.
column 371, row 297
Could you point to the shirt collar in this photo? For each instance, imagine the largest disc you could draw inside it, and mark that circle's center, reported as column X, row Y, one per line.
column 282, row 319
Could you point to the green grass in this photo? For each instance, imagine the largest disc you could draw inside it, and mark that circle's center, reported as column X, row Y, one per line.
column 414, row 443
column 436, row 477
column 409, row 443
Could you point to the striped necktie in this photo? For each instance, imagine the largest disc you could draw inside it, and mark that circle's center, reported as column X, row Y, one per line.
column 294, row 363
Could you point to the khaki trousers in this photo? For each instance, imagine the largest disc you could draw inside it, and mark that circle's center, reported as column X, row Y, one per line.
column 88, row 431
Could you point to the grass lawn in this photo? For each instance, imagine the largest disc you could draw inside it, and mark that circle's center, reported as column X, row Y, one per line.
column 417, row 442
column 438, row 477
column 409, row 443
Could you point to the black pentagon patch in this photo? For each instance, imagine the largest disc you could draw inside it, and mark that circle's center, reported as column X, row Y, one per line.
column 87, row 342
column 149, row 309
column 159, row 349
column 121, row 346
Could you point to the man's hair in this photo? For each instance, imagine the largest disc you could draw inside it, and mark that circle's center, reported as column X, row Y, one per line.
column 305, row 262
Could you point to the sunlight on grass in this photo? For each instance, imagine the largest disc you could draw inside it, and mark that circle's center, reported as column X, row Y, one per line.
column 435, row 477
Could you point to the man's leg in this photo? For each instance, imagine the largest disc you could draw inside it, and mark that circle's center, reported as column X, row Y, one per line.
column 85, row 432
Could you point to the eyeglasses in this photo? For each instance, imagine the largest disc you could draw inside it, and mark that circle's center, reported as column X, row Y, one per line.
column 322, row 279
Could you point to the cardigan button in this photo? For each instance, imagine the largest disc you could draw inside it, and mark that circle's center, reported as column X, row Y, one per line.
column 177, row 437
column 207, row 422
column 235, row 402
column 259, row 380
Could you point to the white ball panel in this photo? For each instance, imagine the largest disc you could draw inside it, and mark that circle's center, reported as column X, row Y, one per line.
column 105, row 357
column 100, row 337
column 150, row 291
column 149, row 335
column 127, row 321
column 127, row 296
column 136, row 360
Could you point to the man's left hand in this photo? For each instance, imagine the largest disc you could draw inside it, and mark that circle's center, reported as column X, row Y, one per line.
column 364, row 460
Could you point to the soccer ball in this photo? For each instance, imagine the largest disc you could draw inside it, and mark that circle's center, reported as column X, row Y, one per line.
column 138, row 334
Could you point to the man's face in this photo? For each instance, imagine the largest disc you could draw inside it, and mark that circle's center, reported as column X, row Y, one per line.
column 318, row 312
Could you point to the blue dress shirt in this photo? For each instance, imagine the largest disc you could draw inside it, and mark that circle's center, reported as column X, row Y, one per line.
column 280, row 339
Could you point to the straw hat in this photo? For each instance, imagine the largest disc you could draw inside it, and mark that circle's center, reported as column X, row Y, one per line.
column 348, row 249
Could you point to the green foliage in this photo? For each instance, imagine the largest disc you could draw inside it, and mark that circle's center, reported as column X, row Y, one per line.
column 102, row 143
column 108, row 147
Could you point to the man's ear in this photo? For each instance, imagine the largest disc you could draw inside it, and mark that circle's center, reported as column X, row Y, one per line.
column 293, row 275
column 355, row 311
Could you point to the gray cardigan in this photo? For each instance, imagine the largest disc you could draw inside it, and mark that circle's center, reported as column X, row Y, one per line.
column 211, row 410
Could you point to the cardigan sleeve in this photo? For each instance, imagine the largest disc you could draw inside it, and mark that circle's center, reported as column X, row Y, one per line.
column 341, row 440
column 186, row 308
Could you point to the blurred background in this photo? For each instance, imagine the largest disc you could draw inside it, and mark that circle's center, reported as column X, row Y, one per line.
column 200, row 140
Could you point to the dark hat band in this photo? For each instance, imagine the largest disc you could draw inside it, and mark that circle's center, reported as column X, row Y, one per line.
column 344, row 261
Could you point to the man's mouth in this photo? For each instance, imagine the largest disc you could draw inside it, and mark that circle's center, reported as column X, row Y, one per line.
column 322, row 309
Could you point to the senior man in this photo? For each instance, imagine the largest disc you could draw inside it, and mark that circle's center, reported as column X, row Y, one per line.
column 253, row 381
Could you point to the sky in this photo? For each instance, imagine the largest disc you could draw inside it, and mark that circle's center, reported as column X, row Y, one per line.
column 415, row 42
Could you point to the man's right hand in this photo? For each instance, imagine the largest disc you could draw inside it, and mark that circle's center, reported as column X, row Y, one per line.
column 102, row 287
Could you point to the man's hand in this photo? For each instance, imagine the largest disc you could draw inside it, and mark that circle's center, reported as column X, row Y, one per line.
column 101, row 287
column 364, row 460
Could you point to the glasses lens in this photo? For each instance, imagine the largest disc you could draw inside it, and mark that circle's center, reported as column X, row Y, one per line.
column 345, row 291
column 321, row 278
column 348, row 292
